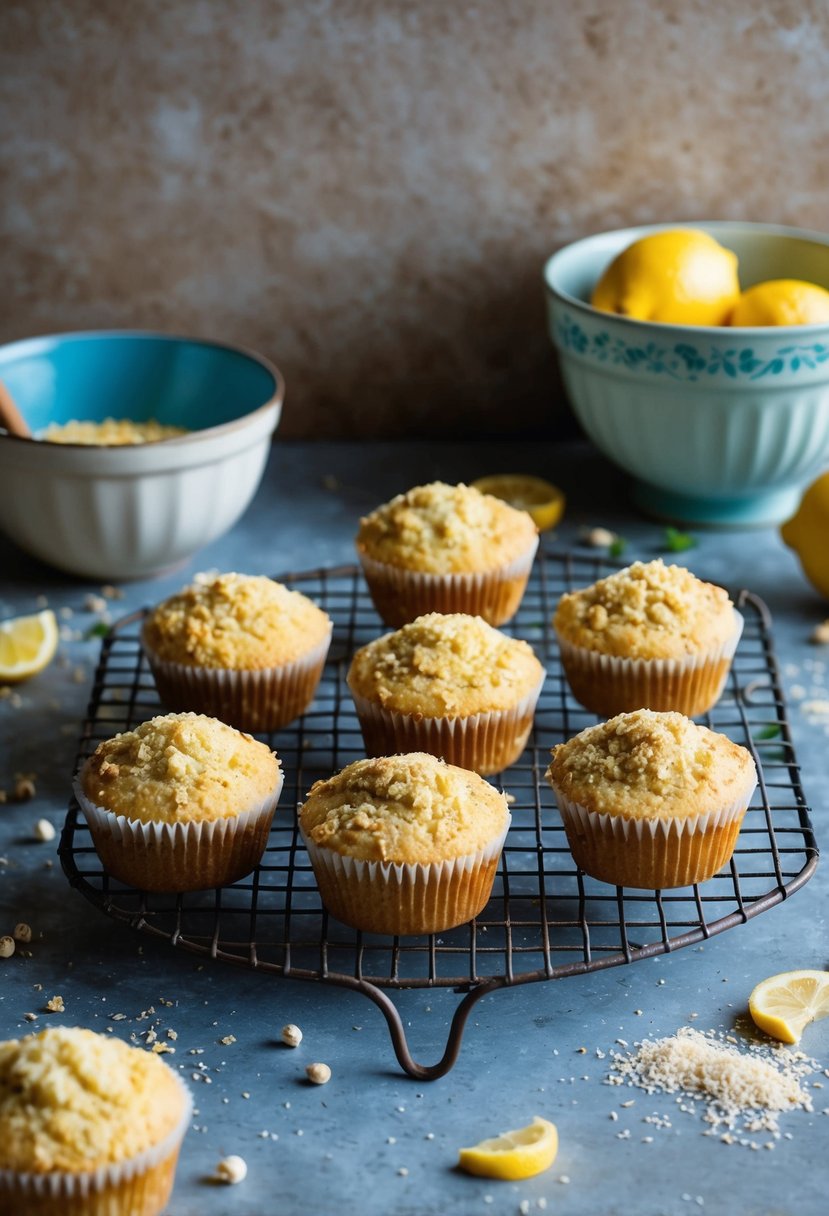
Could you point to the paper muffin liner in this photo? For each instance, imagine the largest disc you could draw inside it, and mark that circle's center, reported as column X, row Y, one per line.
column 385, row 897
column 610, row 686
column 485, row 743
column 402, row 595
column 139, row 1186
column 256, row 701
column 653, row 853
column 182, row 856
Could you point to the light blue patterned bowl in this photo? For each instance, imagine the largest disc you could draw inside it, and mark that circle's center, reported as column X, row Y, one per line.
column 717, row 425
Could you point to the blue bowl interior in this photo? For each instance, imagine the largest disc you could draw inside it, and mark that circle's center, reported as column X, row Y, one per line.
column 762, row 253
column 177, row 381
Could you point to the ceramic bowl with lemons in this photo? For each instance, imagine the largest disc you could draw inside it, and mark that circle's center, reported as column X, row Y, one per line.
column 720, row 407
column 102, row 508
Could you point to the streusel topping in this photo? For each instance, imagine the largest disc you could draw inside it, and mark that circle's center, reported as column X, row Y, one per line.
column 647, row 611
column 410, row 808
column 647, row 764
column 446, row 529
column 445, row 666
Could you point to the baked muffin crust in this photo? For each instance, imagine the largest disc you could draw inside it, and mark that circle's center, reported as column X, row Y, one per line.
column 648, row 765
column 647, row 611
column 236, row 621
column 445, row 666
column 73, row 1100
column 407, row 809
column 180, row 768
column 445, row 529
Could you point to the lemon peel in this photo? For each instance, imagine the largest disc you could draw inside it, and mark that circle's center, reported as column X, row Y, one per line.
column 782, row 302
column 513, row 1155
column 806, row 533
column 783, row 1005
column 544, row 501
column 27, row 645
column 681, row 276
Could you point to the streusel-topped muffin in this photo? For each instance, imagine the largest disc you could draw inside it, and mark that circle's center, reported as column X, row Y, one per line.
column 404, row 844
column 88, row 1126
column 652, row 636
column 242, row 648
column 450, row 685
column 652, row 799
column 446, row 548
column 180, row 803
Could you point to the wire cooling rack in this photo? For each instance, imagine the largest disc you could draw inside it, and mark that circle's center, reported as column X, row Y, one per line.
column 545, row 920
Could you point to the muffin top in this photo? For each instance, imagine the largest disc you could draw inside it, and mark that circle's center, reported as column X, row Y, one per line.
column 648, row 765
column 404, row 809
column 180, row 768
column 73, row 1100
column 443, row 529
column 647, row 611
column 237, row 621
column 445, row 666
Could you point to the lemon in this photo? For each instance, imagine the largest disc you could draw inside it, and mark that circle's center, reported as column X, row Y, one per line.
column 512, row 1155
column 679, row 275
column 783, row 1005
column 782, row 302
column 27, row 645
column 543, row 500
column 806, row 533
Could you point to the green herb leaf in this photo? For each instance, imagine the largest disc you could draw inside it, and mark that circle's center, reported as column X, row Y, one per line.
column 767, row 732
column 99, row 630
column 678, row 542
column 617, row 548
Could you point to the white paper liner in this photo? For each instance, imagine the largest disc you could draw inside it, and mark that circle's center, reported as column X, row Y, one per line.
column 485, row 743
column 401, row 595
column 608, row 685
column 182, row 856
column 673, row 852
column 393, row 898
column 256, row 701
column 85, row 1187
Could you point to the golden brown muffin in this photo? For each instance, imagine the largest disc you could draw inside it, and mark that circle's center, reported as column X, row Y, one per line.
column 181, row 803
column 242, row 648
column 445, row 548
column 651, row 799
column 404, row 844
column 651, row 636
column 73, row 1102
column 450, row 685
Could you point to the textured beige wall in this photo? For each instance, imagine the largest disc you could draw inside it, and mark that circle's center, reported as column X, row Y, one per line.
column 366, row 191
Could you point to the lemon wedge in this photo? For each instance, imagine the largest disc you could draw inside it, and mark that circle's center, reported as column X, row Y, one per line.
column 783, row 1005
column 513, row 1155
column 543, row 500
column 27, row 645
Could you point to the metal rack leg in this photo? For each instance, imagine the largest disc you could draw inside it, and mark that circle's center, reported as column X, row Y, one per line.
column 427, row 1072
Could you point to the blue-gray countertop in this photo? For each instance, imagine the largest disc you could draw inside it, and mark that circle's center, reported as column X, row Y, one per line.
column 373, row 1141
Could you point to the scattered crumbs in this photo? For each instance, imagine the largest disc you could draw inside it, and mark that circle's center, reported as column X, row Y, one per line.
column 510, row 799
column 625, row 1105
column 597, row 538
column 429, row 1136
column 660, row 981
column 582, row 1051
column 172, row 1034
column 647, row 1139
column 291, row 1035
column 820, row 634
column 524, row 1207
column 624, row 1042
column 23, row 791
column 403, row 1172
column 624, row 1135
column 7, row 946
column 391, row 1140
column 564, row 1179
column 163, row 1049
column 231, row 1170
column 55, row 1005
column 613, row 1116
column 401, row 1109
column 227, row 1040
column 117, row 1017
column 30, row 1017
column 44, row 831
column 638, row 1013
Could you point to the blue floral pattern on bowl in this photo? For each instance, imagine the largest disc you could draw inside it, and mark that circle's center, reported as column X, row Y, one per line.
column 684, row 361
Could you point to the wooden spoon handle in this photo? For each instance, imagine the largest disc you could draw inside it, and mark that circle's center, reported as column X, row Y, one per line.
column 10, row 416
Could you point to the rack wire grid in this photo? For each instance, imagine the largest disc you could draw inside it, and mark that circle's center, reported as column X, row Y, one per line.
column 545, row 920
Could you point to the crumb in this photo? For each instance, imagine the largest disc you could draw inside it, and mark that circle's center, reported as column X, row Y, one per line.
column 55, row 1005
column 318, row 1074
column 24, row 789
column 291, row 1035
column 232, row 1169
column 44, row 831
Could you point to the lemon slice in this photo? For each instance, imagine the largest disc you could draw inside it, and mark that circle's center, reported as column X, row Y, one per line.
column 544, row 501
column 783, row 1005
column 518, row 1154
column 27, row 644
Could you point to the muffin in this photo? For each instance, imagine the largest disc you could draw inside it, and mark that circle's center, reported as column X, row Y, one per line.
column 650, row 636
column 88, row 1126
column 182, row 803
column 449, row 685
column 651, row 799
column 238, row 647
column 404, row 844
column 442, row 548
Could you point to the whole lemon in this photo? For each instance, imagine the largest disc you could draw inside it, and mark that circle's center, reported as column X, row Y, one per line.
column 782, row 302
column 806, row 533
column 679, row 275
